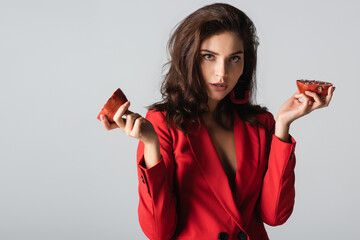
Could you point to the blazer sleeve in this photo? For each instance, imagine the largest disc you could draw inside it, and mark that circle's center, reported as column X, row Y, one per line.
column 278, row 190
column 157, row 202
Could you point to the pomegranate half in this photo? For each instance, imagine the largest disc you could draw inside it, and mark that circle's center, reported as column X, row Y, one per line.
column 112, row 105
column 320, row 87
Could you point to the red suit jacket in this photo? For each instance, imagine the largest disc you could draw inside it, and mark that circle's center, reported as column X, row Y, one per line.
column 187, row 194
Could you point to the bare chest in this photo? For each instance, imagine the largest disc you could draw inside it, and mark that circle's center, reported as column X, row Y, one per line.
column 224, row 143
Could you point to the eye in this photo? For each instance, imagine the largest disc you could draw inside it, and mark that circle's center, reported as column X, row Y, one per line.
column 208, row 56
column 235, row 59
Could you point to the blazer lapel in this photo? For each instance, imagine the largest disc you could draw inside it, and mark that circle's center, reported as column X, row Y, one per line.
column 247, row 155
column 208, row 161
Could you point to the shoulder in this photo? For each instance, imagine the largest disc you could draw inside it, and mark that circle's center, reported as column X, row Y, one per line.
column 153, row 115
column 157, row 118
column 164, row 130
column 267, row 119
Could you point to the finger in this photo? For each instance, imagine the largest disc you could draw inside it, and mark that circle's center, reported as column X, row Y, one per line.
column 298, row 95
column 329, row 95
column 316, row 98
column 306, row 98
column 306, row 104
column 106, row 124
column 130, row 119
column 136, row 132
column 119, row 113
column 127, row 112
column 303, row 97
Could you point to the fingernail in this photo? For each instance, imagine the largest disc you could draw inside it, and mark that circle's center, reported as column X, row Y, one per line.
column 102, row 117
column 307, row 92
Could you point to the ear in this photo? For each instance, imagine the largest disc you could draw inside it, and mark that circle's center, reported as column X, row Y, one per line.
column 242, row 100
column 240, row 93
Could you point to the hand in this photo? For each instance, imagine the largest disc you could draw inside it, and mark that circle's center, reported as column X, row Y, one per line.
column 293, row 109
column 134, row 125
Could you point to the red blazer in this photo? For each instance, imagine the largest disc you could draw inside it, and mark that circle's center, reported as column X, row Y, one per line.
column 187, row 194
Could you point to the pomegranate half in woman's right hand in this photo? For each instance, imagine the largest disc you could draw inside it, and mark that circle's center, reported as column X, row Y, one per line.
column 112, row 105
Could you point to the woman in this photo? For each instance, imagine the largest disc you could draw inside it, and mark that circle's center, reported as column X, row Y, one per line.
column 211, row 164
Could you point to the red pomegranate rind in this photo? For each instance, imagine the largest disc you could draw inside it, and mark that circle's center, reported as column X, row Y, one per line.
column 112, row 105
column 320, row 87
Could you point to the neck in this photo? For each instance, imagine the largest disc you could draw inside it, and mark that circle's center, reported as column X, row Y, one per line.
column 212, row 106
column 209, row 116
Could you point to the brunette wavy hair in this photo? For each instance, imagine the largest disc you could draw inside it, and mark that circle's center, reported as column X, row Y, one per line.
column 183, row 89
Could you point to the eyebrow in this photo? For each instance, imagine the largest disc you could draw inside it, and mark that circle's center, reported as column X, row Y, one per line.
column 237, row 52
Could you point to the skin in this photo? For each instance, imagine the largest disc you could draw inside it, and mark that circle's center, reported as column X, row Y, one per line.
column 222, row 61
column 219, row 64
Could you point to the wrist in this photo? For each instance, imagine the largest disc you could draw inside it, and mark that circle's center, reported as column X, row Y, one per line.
column 153, row 141
column 283, row 121
column 282, row 130
column 151, row 153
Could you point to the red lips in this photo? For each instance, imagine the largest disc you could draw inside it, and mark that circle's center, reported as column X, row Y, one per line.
column 220, row 86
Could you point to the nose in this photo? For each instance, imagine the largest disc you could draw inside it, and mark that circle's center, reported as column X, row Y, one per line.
column 221, row 69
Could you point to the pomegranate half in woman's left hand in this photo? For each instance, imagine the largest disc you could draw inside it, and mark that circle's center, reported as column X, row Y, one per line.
column 320, row 87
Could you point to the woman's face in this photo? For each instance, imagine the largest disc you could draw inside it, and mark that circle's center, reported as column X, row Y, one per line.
column 222, row 63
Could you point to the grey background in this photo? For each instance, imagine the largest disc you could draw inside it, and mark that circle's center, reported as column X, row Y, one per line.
column 62, row 176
